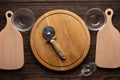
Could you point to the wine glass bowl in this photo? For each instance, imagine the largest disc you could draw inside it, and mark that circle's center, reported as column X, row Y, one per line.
column 23, row 19
column 88, row 69
column 95, row 19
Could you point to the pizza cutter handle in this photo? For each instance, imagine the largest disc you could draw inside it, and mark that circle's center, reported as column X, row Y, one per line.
column 58, row 49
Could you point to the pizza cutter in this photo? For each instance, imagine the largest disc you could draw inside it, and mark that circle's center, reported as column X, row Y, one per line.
column 48, row 34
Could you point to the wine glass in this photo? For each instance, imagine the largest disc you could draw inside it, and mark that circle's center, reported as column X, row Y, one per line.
column 95, row 19
column 23, row 19
column 88, row 69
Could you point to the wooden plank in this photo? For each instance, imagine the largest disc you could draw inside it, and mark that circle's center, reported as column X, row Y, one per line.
column 61, row 1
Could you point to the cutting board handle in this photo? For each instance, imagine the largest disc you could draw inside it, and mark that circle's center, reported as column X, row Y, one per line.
column 9, row 15
column 109, row 14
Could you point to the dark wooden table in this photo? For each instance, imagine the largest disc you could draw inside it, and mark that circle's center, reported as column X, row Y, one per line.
column 32, row 69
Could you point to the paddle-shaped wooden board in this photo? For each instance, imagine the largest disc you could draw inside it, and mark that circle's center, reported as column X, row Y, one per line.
column 11, row 46
column 108, row 44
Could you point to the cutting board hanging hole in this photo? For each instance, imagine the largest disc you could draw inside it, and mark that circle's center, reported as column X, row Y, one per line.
column 109, row 12
column 9, row 14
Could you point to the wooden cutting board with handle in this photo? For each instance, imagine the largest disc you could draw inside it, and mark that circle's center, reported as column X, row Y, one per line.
column 108, row 44
column 11, row 46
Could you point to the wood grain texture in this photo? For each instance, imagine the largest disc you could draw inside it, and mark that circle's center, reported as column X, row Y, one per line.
column 108, row 44
column 71, row 34
column 32, row 69
column 54, row 1
column 11, row 46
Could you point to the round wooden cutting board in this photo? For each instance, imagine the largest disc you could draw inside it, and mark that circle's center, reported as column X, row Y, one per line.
column 71, row 34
